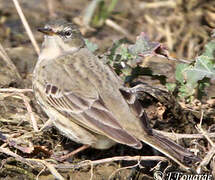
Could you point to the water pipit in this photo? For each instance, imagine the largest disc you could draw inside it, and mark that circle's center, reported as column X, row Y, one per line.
column 87, row 101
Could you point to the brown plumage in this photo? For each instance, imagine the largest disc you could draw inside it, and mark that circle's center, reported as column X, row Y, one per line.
column 87, row 101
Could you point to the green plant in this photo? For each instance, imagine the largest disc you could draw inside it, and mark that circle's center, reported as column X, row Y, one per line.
column 191, row 79
column 194, row 77
column 104, row 10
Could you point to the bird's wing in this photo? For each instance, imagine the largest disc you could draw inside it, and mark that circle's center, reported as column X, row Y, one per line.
column 74, row 99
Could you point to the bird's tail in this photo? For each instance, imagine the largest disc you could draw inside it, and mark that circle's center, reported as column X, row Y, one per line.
column 163, row 144
column 167, row 146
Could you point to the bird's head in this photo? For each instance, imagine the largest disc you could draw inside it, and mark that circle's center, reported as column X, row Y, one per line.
column 62, row 35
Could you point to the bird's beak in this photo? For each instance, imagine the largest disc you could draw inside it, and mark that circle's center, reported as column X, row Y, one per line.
column 46, row 31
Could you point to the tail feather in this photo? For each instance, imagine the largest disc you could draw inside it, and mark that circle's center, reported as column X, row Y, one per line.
column 165, row 145
column 171, row 149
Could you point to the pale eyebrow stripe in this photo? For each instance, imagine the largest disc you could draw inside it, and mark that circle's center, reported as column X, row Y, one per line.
column 67, row 28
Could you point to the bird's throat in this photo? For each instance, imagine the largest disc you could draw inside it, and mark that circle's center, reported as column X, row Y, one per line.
column 54, row 47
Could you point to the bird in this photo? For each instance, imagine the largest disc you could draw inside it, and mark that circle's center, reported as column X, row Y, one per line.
column 86, row 100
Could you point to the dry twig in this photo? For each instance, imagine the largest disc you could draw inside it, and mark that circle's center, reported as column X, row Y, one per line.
column 158, row 4
column 117, row 158
column 176, row 136
column 118, row 28
column 52, row 168
column 31, row 162
column 30, row 112
column 26, row 26
column 211, row 152
column 16, row 156
column 9, row 62
column 15, row 90
column 51, row 8
column 27, row 105
column 128, row 167
column 9, row 140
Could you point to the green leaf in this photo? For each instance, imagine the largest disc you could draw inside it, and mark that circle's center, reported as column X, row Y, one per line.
column 104, row 11
column 171, row 86
column 190, row 76
column 116, row 51
column 179, row 73
column 203, row 67
column 210, row 50
column 143, row 46
column 91, row 46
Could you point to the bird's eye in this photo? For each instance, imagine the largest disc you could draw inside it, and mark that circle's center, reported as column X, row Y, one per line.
column 68, row 33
